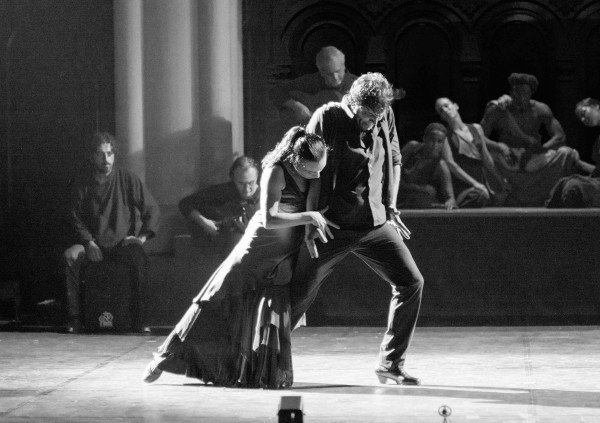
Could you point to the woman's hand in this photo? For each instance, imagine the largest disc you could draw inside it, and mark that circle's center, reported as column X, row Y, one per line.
column 450, row 204
column 480, row 187
column 322, row 224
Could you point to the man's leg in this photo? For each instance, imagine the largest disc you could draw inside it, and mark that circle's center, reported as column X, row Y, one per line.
column 74, row 258
column 310, row 273
column 384, row 251
column 136, row 259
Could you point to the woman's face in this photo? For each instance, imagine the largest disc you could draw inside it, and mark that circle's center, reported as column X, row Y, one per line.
column 589, row 115
column 433, row 144
column 310, row 169
column 446, row 109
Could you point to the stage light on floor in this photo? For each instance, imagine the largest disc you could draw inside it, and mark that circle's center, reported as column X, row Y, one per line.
column 290, row 409
column 445, row 412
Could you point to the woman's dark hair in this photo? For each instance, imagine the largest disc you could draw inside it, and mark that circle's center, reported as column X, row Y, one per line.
column 434, row 126
column 296, row 145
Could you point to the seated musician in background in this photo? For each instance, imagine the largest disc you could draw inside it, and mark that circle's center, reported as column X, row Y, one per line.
column 219, row 214
column 426, row 181
column 105, row 204
column 578, row 191
column 532, row 168
column 300, row 97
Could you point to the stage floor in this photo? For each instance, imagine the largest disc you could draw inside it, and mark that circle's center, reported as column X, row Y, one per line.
column 485, row 374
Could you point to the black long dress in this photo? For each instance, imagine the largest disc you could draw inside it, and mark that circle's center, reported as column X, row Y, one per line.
column 237, row 331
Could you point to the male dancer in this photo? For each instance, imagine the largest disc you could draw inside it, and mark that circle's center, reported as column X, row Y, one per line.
column 359, row 186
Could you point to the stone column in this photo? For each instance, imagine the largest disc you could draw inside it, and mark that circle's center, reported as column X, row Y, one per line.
column 193, row 103
column 129, row 119
column 179, row 96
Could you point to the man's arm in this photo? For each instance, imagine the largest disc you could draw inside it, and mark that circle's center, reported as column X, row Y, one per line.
column 193, row 207
column 148, row 209
column 553, row 126
column 84, row 234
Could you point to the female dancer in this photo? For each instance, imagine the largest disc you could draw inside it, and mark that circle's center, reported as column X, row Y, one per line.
column 237, row 331
column 579, row 191
column 478, row 181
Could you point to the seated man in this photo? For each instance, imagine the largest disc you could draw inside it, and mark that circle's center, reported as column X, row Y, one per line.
column 532, row 168
column 579, row 191
column 105, row 204
column 219, row 214
column 300, row 97
column 426, row 181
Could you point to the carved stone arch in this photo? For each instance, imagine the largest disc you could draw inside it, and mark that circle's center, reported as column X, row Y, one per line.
column 324, row 24
column 422, row 49
column 587, row 63
column 517, row 39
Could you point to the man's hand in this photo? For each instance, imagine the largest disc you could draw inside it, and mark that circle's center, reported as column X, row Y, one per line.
column 93, row 252
column 504, row 101
column 210, row 227
column 240, row 224
column 396, row 222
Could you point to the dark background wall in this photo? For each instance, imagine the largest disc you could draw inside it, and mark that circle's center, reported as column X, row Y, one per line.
column 57, row 73
column 464, row 49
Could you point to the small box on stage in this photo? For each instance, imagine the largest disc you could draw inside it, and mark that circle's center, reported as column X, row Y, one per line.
column 106, row 297
column 290, row 410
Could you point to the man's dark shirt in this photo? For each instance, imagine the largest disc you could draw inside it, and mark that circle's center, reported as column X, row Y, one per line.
column 220, row 202
column 107, row 212
column 354, row 180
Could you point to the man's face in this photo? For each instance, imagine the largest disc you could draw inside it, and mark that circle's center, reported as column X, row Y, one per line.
column 104, row 159
column 332, row 72
column 246, row 182
column 366, row 118
column 521, row 94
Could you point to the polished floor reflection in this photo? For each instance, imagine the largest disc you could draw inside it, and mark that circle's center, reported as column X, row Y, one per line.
column 484, row 374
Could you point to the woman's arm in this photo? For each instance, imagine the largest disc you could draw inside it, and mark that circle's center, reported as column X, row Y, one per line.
column 458, row 171
column 447, row 189
column 486, row 157
column 271, row 184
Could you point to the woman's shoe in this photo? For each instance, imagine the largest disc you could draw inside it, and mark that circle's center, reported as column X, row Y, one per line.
column 155, row 368
column 398, row 375
column 152, row 372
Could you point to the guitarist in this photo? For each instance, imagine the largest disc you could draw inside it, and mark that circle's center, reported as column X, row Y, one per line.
column 219, row 214
column 297, row 99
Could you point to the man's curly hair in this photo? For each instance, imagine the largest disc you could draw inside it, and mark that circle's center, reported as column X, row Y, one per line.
column 525, row 79
column 371, row 90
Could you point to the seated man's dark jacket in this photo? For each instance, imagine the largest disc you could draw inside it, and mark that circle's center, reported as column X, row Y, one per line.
column 108, row 212
column 220, row 202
